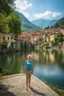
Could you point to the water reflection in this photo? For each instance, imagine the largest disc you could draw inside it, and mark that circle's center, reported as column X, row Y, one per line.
column 48, row 64
column 50, row 67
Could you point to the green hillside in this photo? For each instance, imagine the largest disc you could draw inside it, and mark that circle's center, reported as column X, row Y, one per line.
column 26, row 24
column 61, row 22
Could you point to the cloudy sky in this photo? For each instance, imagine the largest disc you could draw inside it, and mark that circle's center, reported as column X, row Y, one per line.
column 45, row 9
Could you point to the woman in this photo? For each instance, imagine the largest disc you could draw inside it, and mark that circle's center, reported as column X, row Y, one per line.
column 28, row 68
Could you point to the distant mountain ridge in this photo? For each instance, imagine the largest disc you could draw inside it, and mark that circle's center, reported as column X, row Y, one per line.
column 60, row 22
column 26, row 24
column 42, row 23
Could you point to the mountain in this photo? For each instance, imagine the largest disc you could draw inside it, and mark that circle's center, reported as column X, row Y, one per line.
column 52, row 22
column 26, row 24
column 60, row 22
column 42, row 23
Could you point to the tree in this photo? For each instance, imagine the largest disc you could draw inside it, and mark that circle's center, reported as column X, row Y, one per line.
column 22, row 45
column 10, row 23
column 6, row 6
column 56, row 25
column 3, row 24
column 14, row 23
column 60, row 37
column 9, row 20
column 47, row 27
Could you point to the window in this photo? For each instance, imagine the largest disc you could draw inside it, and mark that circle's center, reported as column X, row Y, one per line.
column 8, row 38
column 11, row 38
column 3, row 38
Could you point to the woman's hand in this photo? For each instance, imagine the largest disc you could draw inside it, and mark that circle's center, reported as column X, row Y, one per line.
column 25, row 71
column 24, row 68
column 32, row 72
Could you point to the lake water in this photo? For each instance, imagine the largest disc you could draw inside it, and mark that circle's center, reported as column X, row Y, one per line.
column 48, row 65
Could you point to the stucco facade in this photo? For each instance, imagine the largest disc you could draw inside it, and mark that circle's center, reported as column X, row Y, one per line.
column 5, row 36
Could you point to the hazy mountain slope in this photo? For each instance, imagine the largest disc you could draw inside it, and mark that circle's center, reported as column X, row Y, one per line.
column 44, row 23
column 26, row 24
column 61, row 22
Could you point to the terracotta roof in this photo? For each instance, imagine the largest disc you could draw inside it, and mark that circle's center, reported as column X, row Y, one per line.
column 3, row 31
column 62, row 27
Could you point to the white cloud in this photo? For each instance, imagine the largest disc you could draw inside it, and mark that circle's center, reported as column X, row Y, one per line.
column 22, row 5
column 26, row 14
column 47, row 15
column 55, row 14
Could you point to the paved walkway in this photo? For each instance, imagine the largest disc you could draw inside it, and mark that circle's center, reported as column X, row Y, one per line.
column 14, row 85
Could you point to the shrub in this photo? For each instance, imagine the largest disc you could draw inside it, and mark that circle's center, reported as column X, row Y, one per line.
column 4, row 44
column 21, row 45
column 6, row 72
column 52, row 42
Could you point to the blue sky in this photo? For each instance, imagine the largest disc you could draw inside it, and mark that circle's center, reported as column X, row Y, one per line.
column 45, row 9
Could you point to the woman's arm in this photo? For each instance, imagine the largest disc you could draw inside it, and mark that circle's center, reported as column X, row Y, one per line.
column 32, row 68
column 24, row 68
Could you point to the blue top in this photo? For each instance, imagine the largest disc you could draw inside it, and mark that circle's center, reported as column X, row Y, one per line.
column 29, row 64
